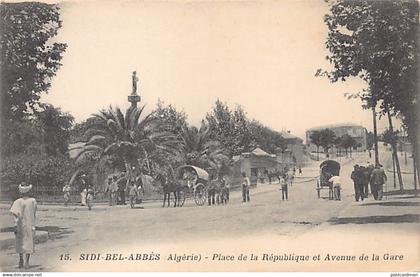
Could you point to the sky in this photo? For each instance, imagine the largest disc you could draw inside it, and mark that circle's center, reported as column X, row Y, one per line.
column 261, row 55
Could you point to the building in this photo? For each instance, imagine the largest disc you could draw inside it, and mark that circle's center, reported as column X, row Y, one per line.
column 294, row 148
column 254, row 164
column 358, row 132
column 258, row 163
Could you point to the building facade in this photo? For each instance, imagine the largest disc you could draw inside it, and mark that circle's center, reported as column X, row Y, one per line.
column 358, row 132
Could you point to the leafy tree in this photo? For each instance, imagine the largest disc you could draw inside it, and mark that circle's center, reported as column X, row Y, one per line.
column 55, row 129
column 377, row 41
column 28, row 59
column 348, row 142
column 266, row 138
column 327, row 138
column 231, row 128
column 315, row 138
column 174, row 120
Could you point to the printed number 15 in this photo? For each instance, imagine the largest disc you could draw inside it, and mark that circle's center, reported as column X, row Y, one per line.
column 65, row 257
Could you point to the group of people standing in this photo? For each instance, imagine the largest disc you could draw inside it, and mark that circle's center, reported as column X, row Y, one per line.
column 362, row 176
column 116, row 187
column 218, row 191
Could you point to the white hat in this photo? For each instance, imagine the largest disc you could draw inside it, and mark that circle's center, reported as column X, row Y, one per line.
column 24, row 189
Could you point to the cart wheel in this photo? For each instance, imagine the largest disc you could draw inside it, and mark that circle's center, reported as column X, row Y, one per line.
column 200, row 194
column 181, row 198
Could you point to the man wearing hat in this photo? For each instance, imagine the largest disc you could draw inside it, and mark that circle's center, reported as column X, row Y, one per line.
column 23, row 210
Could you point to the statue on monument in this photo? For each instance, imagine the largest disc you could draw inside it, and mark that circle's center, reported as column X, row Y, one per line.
column 135, row 79
column 134, row 98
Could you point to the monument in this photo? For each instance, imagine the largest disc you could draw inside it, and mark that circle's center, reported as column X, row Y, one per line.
column 134, row 98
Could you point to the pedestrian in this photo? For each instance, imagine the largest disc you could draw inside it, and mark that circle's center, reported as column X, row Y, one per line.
column 211, row 191
column 336, row 183
column 83, row 191
column 66, row 192
column 140, row 188
column 369, row 169
column 114, row 190
column 108, row 190
column 290, row 177
column 133, row 194
column 377, row 181
column 356, row 176
column 300, row 171
column 245, row 187
column 284, row 185
column 89, row 197
column 24, row 210
column 227, row 186
column 364, row 180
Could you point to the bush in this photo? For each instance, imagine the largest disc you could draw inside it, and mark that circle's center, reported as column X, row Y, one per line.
column 46, row 174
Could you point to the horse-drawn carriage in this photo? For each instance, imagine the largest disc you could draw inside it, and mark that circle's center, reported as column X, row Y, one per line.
column 194, row 181
column 328, row 169
column 189, row 182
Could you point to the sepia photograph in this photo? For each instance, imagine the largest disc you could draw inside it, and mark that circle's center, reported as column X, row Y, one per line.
column 209, row 136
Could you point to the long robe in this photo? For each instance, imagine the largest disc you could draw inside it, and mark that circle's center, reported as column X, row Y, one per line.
column 24, row 210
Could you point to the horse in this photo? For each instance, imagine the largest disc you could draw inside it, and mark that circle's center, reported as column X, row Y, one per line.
column 169, row 186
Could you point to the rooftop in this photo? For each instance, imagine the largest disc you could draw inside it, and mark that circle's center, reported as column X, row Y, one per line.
column 337, row 125
column 288, row 135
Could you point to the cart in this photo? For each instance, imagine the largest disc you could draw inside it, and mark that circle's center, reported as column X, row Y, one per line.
column 194, row 182
column 328, row 169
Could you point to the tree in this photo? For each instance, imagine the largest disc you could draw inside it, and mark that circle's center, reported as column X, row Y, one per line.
column 201, row 150
column 28, row 59
column 266, row 138
column 169, row 116
column 55, row 129
column 327, row 138
column 315, row 138
column 378, row 42
column 338, row 143
column 348, row 143
column 123, row 140
column 229, row 128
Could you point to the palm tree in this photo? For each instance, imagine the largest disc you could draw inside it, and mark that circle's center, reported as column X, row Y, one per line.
column 200, row 150
column 124, row 140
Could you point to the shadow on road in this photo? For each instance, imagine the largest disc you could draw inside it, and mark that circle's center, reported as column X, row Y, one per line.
column 55, row 232
column 396, row 204
column 399, row 192
column 406, row 218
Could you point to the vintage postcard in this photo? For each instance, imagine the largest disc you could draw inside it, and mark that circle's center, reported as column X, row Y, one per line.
column 183, row 135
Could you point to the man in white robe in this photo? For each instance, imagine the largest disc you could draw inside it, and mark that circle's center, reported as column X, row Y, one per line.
column 24, row 209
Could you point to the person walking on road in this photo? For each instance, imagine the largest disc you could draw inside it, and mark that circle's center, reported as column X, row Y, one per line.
column 66, row 192
column 245, row 188
column 133, row 194
column 83, row 191
column 212, row 191
column 356, row 176
column 89, row 197
column 227, row 186
column 377, row 181
column 284, row 185
column 336, row 183
column 24, row 210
